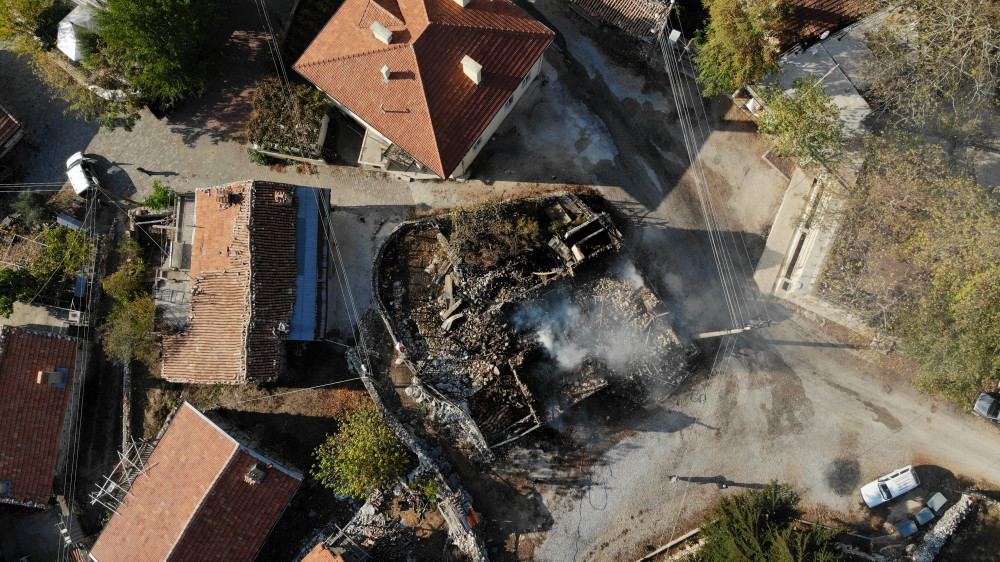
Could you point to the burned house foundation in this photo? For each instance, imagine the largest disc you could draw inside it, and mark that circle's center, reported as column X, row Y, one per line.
column 508, row 314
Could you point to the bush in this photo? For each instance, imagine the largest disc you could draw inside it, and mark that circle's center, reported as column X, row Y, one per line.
column 32, row 206
column 364, row 456
column 286, row 118
column 261, row 159
column 162, row 197
column 15, row 284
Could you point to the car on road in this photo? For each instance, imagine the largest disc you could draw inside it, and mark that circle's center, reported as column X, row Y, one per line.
column 890, row 486
column 80, row 171
column 988, row 406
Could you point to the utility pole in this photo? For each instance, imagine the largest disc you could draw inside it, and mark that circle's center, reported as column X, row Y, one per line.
column 756, row 325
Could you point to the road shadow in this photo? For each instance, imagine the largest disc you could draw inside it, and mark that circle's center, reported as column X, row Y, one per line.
column 720, row 481
column 241, row 58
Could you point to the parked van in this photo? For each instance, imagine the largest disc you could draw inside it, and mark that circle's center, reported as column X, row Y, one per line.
column 81, row 173
column 890, row 486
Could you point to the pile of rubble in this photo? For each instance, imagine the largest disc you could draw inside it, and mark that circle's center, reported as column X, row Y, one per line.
column 448, row 287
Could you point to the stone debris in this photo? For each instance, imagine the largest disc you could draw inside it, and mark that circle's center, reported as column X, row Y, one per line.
column 447, row 286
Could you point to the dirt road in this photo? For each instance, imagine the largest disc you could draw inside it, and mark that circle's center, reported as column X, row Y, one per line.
column 792, row 405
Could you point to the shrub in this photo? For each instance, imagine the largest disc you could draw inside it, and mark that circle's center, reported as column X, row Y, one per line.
column 31, row 204
column 162, row 197
column 365, row 455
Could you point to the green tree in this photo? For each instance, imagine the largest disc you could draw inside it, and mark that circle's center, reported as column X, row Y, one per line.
column 936, row 65
column 15, row 284
column 740, row 45
column 18, row 22
column 160, row 45
column 65, row 253
column 162, row 197
column 913, row 210
column 805, row 125
column 127, row 333
column 365, row 455
column 126, row 283
column 756, row 526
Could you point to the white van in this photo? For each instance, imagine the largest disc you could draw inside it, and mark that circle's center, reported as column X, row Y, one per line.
column 81, row 174
column 890, row 486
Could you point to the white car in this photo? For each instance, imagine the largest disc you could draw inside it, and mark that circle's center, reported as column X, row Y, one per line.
column 81, row 174
column 890, row 486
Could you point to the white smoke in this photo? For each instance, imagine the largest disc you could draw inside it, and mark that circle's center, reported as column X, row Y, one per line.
column 568, row 336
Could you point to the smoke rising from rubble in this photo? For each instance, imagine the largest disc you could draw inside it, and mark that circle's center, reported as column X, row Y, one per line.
column 569, row 335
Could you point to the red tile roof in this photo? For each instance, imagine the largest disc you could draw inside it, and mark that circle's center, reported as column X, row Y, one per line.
column 8, row 127
column 429, row 107
column 639, row 18
column 243, row 266
column 810, row 18
column 32, row 415
column 192, row 502
column 320, row 553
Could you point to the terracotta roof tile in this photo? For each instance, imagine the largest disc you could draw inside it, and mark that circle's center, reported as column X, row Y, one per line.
column 243, row 266
column 429, row 107
column 8, row 126
column 32, row 415
column 192, row 502
column 810, row 18
column 320, row 553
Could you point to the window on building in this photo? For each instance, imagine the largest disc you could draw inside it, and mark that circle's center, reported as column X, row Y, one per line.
column 510, row 102
column 525, row 81
column 479, row 142
column 5, row 488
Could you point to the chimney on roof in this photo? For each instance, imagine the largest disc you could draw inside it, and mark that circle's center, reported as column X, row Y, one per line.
column 385, row 74
column 255, row 475
column 473, row 70
column 381, row 32
column 463, row 3
column 283, row 198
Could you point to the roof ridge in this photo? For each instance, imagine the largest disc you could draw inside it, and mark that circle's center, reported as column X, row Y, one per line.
column 201, row 504
column 487, row 28
column 351, row 56
column 402, row 22
column 430, row 119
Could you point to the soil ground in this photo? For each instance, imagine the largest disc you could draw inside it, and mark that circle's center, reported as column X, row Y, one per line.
column 978, row 537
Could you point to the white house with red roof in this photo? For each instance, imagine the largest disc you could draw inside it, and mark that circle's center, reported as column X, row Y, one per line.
column 430, row 80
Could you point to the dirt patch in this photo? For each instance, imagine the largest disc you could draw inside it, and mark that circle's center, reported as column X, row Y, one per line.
column 843, row 476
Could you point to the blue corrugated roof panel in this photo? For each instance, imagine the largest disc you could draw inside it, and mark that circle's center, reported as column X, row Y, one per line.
column 309, row 315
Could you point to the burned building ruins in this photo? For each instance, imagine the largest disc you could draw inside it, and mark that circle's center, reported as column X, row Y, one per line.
column 510, row 313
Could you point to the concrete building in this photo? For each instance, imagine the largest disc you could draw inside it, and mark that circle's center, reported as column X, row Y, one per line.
column 429, row 80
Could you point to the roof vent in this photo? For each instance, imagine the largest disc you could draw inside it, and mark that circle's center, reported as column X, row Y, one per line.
column 472, row 69
column 255, row 475
column 463, row 3
column 385, row 73
column 381, row 32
